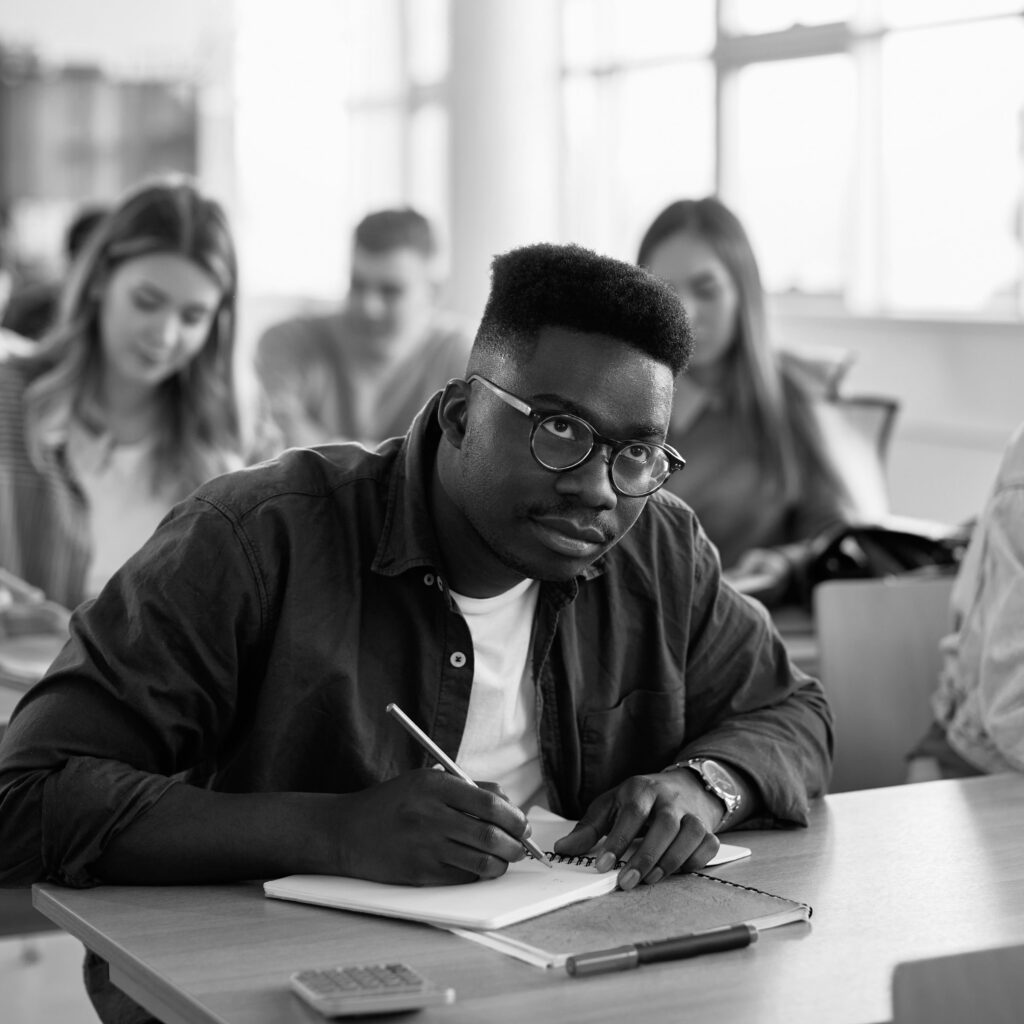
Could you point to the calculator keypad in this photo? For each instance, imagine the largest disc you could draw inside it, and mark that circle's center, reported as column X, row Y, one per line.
column 365, row 979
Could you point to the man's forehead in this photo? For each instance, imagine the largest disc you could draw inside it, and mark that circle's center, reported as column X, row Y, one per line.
column 596, row 375
column 568, row 354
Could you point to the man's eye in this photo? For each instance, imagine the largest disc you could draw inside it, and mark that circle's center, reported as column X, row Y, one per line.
column 641, row 454
column 563, row 429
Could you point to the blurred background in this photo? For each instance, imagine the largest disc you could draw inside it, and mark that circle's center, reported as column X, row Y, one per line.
column 874, row 149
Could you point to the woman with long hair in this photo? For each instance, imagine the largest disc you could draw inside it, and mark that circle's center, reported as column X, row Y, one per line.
column 129, row 402
column 759, row 474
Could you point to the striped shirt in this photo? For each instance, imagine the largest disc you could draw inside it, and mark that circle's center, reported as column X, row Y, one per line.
column 44, row 520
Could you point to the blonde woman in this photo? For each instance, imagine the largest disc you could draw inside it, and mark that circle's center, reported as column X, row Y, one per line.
column 129, row 401
column 758, row 474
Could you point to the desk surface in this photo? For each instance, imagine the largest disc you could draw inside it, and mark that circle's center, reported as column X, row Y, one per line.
column 892, row 874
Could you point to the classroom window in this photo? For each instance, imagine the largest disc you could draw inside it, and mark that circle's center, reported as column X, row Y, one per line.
column 395, row 104
column 791, row 141
column 874, row 148
column 951, row 166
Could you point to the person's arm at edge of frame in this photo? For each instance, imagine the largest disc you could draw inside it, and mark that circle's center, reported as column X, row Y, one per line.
column 1001, row 669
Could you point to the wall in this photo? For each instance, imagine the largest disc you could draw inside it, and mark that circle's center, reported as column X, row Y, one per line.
column 961, row 389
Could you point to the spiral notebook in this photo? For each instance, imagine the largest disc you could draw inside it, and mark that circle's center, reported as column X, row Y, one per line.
column 675, row 906
column 526, row 890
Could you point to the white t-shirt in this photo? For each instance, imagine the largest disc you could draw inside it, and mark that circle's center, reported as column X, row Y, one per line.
column 123, row 510
column 500, row 740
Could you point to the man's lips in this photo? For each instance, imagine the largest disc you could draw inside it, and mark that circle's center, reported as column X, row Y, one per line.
column 568, row 537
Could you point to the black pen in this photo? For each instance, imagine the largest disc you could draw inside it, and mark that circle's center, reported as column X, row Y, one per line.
column 622, row 958
column 450, row 766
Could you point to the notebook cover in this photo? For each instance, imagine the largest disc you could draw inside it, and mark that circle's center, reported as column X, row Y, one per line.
column 675, row 906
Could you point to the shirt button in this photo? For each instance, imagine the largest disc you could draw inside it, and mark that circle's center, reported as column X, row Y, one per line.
column 429, row 579
column 458, row 659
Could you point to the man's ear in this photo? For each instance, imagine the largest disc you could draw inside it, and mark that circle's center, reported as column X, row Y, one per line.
column 453, row 411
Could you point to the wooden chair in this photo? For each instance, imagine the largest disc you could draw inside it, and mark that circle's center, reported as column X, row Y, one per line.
column 878, row 646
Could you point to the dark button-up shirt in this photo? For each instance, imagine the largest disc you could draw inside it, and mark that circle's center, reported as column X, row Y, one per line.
column 255, row 641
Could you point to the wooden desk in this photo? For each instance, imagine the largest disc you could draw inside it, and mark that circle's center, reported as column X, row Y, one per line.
column 893, row 874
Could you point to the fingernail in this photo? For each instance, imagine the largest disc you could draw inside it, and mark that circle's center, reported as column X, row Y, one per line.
column 656, row 875
column 606, row 861
column 629, row 879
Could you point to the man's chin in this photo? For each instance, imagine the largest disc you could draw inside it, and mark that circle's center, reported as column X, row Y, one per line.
column 551, row 567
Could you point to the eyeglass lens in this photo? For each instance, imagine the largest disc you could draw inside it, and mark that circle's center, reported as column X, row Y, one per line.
column 564, row 441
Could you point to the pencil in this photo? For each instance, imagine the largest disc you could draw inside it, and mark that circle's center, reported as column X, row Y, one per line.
column 450, row 766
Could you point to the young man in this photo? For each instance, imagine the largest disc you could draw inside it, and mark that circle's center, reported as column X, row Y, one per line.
column 508, row 573
column 362, row 373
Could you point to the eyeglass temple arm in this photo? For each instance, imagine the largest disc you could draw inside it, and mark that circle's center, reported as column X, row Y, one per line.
column 508, row 399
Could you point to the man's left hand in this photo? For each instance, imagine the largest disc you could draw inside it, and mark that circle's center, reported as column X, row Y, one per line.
column 670, row 814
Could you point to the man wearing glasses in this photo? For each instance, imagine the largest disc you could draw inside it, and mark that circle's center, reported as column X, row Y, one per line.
column 509, row 573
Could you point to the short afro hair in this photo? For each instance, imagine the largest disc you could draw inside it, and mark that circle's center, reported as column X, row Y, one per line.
column 573, row 288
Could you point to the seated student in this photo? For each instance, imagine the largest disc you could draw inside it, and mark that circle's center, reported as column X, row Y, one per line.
column 129, row 402
column 362, row 373
column 759, row 477
column 979, row 704
column 509, row 573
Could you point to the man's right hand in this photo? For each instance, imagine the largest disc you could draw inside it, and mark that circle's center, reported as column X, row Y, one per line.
column 424, row 827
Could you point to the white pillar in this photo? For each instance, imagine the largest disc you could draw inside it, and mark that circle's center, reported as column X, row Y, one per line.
column 504, row 136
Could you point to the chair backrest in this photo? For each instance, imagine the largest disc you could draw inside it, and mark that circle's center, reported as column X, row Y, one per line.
column 878, row 643
column 856, row 431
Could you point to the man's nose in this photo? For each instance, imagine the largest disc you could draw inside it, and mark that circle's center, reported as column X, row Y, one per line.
column 591, row 481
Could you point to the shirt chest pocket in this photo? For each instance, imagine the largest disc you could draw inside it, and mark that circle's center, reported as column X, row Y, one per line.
column 641, row 734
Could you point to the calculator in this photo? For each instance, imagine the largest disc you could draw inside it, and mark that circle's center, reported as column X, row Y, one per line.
column 368, row 988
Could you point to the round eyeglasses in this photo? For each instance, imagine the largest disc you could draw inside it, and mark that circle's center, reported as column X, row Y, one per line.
column 560, row 441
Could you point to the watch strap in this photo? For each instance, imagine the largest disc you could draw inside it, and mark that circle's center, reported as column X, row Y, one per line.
column 731, row 801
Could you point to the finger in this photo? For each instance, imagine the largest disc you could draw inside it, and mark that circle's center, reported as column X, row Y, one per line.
column 692, row 848
column 664, row 829
column 481, row 821
column 482, row 850
column 485, row 805
column 708, row 847
column 492, row 787
column 589, row 829
column 629, row 822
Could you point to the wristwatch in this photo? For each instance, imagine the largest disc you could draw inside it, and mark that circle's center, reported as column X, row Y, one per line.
column 718, row 781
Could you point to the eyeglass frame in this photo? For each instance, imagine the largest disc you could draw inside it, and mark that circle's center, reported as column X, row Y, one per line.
column 675, row 461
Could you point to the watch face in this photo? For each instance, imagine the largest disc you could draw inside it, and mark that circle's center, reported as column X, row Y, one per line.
column 718, row 777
